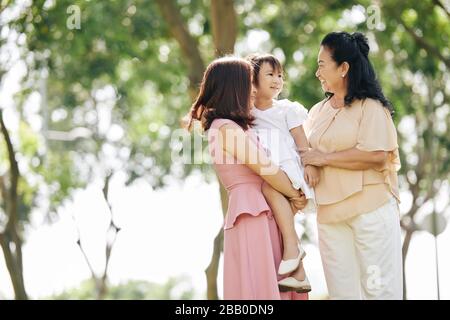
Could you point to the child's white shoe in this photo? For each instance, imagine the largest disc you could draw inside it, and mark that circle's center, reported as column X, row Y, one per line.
column 288, row 266
column 292, row 284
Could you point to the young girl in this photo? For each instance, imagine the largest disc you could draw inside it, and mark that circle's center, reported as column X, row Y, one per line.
column 278, row 124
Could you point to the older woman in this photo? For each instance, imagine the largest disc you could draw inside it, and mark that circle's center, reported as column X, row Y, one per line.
column 354, row 143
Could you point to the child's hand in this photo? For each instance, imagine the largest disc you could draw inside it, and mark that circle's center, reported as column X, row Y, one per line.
column 297, row 203
column 312, row 175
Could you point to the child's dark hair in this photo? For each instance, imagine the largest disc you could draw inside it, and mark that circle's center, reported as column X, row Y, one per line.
column 224, row 93
column 257, row 61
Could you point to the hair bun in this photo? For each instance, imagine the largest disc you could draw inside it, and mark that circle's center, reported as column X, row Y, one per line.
column 361, row 42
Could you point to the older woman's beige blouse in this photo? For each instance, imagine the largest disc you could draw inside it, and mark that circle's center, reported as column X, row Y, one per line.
column 341, row 193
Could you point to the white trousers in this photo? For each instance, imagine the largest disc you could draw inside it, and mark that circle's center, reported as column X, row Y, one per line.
column 362, row 256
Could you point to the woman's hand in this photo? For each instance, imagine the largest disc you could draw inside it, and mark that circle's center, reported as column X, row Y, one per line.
column 298, row 203
column 312, row 175
column 313, row 157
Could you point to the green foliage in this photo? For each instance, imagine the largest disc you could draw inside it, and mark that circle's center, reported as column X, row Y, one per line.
column 127, row 47
column 122, row 80
column 174, row 288
column 124, row 45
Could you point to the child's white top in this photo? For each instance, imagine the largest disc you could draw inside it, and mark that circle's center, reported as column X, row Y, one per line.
column 272, row 126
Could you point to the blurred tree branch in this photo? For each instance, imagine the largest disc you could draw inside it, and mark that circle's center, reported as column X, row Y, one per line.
column 4, row 4
column 430, row 170
column 10, row 239
column 187, row 42
column 224, row 25
column 432, row 50
column 101, row 282
column 439, row 4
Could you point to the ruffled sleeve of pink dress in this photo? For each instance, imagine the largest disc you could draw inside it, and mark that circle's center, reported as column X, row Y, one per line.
column 252, row 242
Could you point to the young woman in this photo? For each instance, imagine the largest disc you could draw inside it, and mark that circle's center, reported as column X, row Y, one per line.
column 252, row 248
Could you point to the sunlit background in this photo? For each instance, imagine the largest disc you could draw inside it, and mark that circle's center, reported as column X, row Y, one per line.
column 92, row 93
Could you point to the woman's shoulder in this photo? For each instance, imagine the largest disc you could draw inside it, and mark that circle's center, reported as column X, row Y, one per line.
column 223, row 127
column 219, row 122
column 317, row 107
column 320, row 103
column 371, row 103
column 371, row 106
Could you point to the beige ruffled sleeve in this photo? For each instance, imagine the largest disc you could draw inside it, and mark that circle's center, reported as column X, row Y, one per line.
column 377, row 133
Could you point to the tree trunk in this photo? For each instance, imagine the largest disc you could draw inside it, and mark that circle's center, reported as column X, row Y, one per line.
column 405, row 248
column 187, row 43
column 13, row 266
column 224, row 26
column 213, row 267
column 211, row 271
column 10, row 240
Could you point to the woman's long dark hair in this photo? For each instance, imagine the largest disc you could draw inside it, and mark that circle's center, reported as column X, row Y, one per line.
column 362, row 80
column 224, row 93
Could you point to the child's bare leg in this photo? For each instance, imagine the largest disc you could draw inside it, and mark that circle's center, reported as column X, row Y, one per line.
column 299, row 273
column 282, row 212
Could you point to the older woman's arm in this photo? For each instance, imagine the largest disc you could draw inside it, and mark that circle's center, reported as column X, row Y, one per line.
column 351, row 159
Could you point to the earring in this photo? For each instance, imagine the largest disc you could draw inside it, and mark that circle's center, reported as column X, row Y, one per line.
column 343, row 75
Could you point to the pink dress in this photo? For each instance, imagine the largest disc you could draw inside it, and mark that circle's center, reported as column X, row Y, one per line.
column 252, row 242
